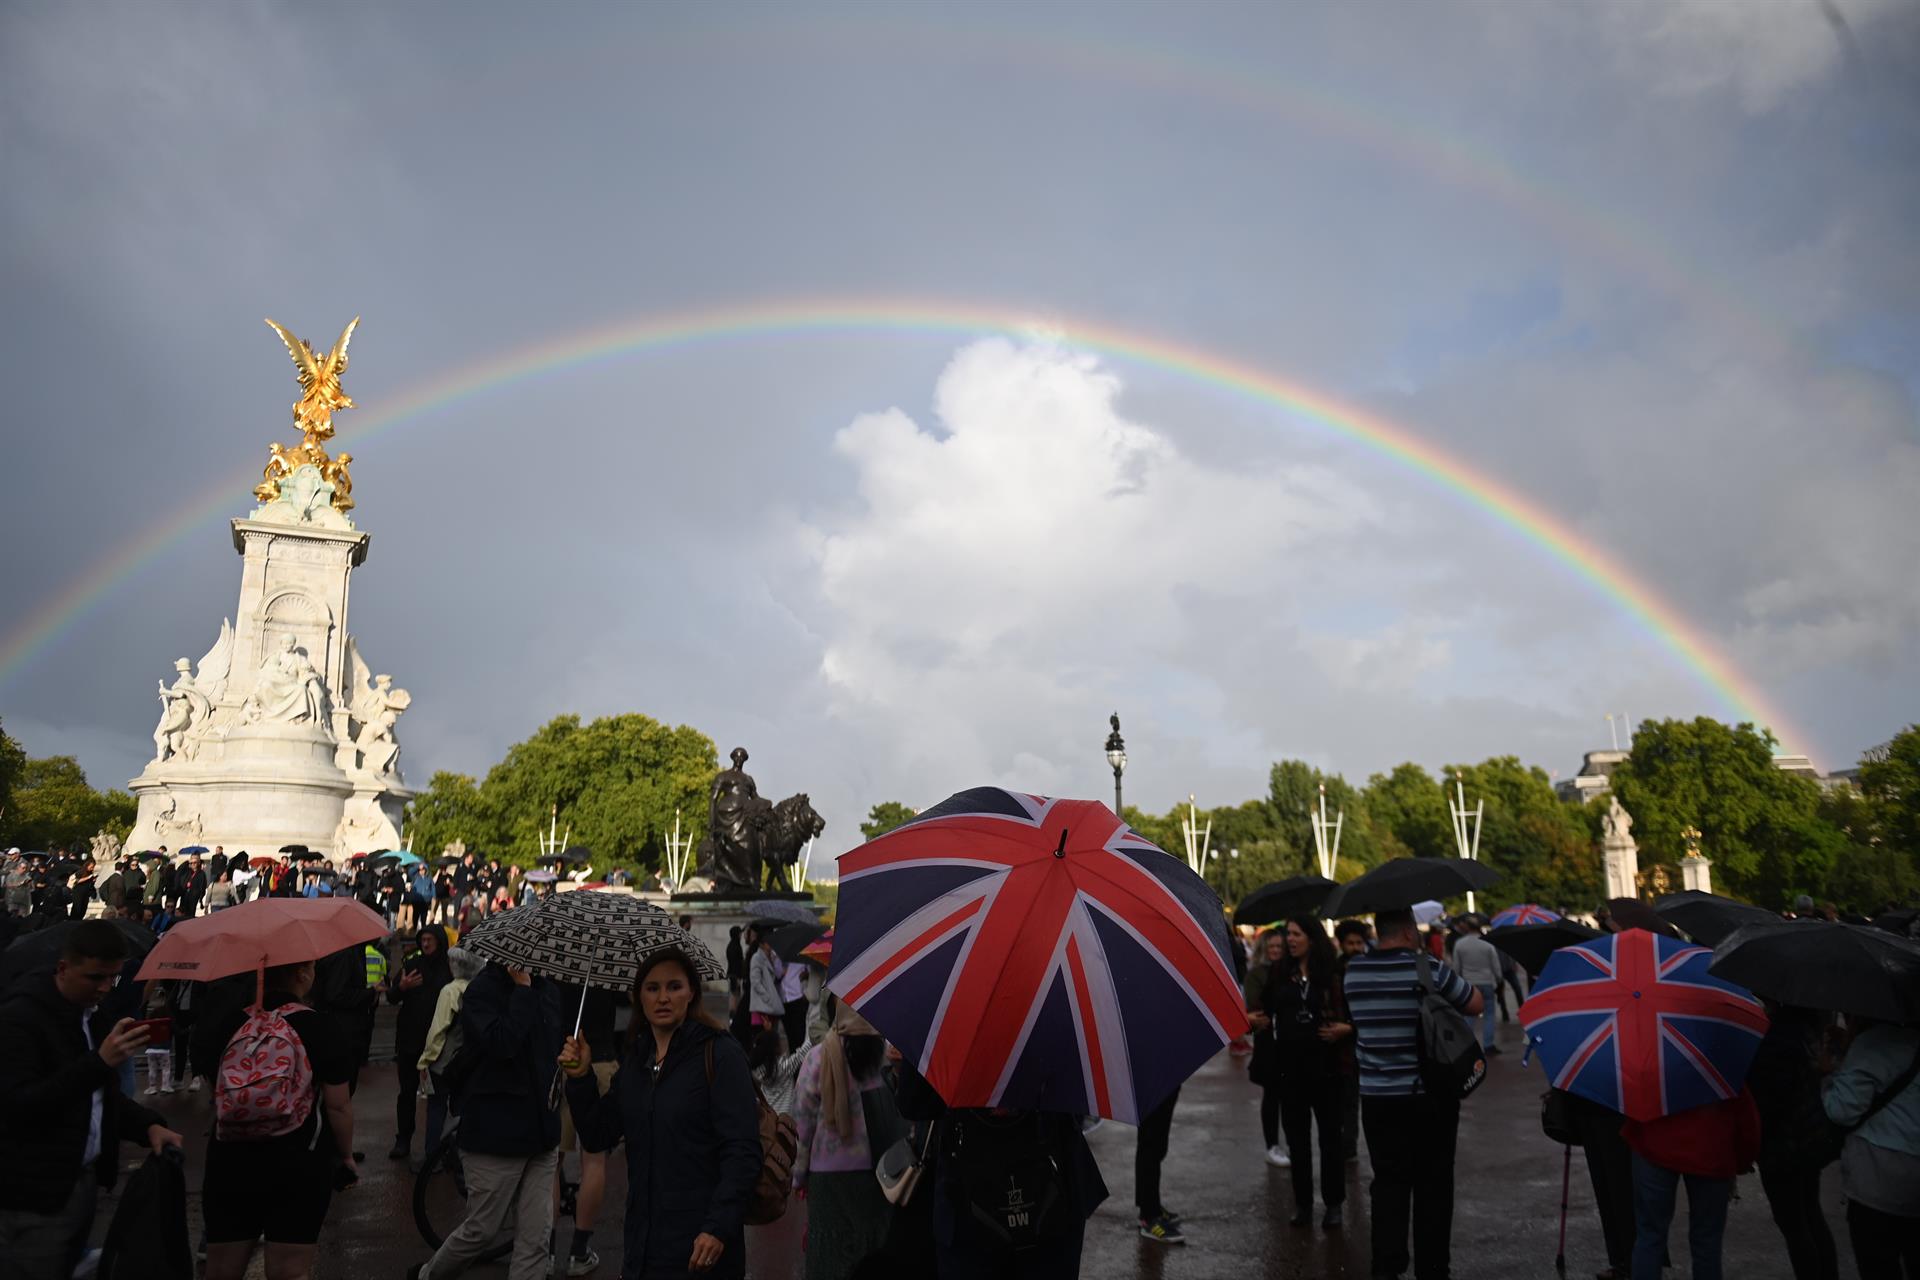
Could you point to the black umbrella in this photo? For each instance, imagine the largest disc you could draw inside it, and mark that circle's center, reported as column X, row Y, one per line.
column 36, row 952
column 1631, row 913
column 294, row 848
column 788, row 939
column 62, row 869
column 1531, row 944
column 1817, row 964
column 448, row 860
column 553, row 859
column 1397, row 885
column 1708, row 918
column 577, row 853
column 1283, row 899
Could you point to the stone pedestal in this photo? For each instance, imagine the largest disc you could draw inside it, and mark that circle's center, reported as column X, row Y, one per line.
column 1618, row 852
column 1695, row 873
column 280, row 735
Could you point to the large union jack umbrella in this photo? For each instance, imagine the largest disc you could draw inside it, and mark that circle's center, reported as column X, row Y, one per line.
column 1036, row 953
column 1525, row 913
column 1636, row 1023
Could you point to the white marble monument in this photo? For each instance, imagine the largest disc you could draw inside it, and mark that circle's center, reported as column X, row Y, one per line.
column 1619, row 852
column 282, row 734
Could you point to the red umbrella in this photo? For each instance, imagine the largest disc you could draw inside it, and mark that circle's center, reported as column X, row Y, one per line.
column 258, row 935
column 1037, row 954
column 820, row 949
column 261, row 864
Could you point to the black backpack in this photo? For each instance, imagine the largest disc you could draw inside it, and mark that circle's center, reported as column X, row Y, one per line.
column 1009, row 1172
column 147, row 1239
column 1452, row 1064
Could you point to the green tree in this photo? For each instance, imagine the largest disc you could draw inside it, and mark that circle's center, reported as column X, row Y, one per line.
column 52, row 806
column 884, row 817
column 1540, row 844
column 1890, row 781
column 616, row 783
column 1761, row 828
column 1413, row 806
column 13, row 762
column 1293, row 797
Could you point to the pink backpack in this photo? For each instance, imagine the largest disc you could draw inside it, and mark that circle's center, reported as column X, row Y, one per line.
column 265, row 1087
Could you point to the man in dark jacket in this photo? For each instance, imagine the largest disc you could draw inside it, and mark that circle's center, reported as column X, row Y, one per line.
column 112, row 888
column 64, row 1113
column 513, row 1025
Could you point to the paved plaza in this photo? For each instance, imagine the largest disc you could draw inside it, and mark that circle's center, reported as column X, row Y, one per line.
column 1236, row 1207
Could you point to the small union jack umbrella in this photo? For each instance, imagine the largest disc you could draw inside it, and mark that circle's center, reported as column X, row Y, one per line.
column 1035, row 953
column 1635, row 1022
column 1525, row 913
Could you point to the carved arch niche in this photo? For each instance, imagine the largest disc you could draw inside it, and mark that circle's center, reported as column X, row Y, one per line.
column 296, row 614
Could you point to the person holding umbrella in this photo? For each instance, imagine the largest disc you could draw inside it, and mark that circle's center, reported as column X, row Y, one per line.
column 1303, row 1005
column 1411, row 1132
column 684, row 1104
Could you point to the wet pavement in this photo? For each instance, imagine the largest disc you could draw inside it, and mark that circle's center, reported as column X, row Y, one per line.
column 1236, row 1207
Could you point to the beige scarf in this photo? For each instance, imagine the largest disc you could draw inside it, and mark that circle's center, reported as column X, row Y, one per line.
column 836, row 1085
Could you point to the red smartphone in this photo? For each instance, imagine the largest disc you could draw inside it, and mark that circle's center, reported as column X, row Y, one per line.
column 159, row 1030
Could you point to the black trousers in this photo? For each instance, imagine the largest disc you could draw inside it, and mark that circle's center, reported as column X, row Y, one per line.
column 1610, row 1170
column 1884, row 1247
column 407, row 1104
column 1350, row 1114
column 1149, row 1152
column 1303, row 1104
column 1410, row 1141
column 1270, row 1113
column 1793, row 1194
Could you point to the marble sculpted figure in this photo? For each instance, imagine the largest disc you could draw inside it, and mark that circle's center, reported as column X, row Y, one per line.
column 1615, row 822
column 377, row 715
column 289, row 689
column 182, row 707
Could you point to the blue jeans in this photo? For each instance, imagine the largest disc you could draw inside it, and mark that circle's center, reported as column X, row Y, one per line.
column 1654, row 1191
column 1489, row 1015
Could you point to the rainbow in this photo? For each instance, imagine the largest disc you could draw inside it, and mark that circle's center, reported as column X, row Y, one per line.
column 788, row 319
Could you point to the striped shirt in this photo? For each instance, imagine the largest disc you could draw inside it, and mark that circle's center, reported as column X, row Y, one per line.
column 1382, row 989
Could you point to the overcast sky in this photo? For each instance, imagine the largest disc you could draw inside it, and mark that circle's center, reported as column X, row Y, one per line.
column 1651, row 265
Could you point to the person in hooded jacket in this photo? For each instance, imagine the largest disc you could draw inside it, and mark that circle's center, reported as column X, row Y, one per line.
column 512, row 1024
column 684, row 1104
column 416, row 991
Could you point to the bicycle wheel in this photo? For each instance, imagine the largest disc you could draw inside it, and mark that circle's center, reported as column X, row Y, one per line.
column 440, row 1199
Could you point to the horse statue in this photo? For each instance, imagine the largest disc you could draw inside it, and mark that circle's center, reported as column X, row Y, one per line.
column 786, row 831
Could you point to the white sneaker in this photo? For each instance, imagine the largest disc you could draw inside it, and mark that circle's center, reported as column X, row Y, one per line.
column 195, row 1086
column 167, row 1087
column 152, row 1089
column 1278, row 1158
column 582, row 1266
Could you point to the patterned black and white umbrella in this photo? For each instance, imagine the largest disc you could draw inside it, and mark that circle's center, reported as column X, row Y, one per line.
column 588, row 937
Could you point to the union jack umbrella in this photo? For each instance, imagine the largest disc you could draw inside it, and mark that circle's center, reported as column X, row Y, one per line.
column 1036, row 953
column 1636, row 1023
column 1525, row 913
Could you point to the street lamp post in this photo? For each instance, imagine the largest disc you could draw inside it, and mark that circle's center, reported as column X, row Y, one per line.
column 1226, row 872
column 1117, row 757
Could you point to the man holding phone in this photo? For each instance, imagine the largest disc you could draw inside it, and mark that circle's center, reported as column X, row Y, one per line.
column 60, row 1083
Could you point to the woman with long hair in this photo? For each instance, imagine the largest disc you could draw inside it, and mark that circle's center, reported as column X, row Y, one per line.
column 683, row 1103
column 1304, row 1005
column 1263, row 1068
column 846, row 1116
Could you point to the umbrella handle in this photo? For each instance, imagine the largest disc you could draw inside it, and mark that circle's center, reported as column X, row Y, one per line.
column 580, row 1016
column 1566, row 1178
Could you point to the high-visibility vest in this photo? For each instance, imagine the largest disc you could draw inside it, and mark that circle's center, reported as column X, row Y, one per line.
column 376, row 965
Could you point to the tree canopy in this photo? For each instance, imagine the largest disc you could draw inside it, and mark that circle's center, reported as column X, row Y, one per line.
column 884, row 817
column 52, row 806
column 615, row 783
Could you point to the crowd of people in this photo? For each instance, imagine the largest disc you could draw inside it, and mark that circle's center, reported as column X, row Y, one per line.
column 1333, row 1050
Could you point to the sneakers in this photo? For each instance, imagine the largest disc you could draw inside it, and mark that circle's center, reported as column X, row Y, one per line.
column 1162, row 1230
column 167, row 1087
column 194, row 1087
column 152, row 1089
column 580, row 1266
column 1278, row 1158
column 1336, row 1217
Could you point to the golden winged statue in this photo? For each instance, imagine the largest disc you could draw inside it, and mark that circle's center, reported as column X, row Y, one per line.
column 313, row 416
column 319, row 381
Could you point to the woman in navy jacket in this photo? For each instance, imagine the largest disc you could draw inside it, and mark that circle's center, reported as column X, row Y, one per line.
column 684, row 1103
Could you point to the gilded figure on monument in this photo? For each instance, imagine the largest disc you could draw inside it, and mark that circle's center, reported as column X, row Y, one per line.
column 320, row 396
